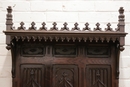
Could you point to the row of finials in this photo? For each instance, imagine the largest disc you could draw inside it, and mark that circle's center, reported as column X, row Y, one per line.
column 65, row 27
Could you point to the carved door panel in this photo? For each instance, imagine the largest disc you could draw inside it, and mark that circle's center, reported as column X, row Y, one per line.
column 65, row 76
column 98, row 76
column 32, row 75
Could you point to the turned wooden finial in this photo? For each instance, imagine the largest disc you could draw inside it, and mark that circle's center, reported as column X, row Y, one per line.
column 121, row 19
column 9, row 16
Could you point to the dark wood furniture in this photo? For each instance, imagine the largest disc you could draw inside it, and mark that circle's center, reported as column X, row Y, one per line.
column 65, row 57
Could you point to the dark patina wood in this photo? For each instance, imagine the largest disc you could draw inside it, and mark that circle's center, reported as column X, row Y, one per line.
column 65, row 57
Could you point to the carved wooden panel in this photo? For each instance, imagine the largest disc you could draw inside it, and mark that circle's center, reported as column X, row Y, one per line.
column 32, row 50
column 65, row 76
column 98, row 75
column 65, row 50
column 98, row 51
column 32, row 75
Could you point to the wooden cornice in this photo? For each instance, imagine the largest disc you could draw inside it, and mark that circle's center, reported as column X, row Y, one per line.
column 43, row 34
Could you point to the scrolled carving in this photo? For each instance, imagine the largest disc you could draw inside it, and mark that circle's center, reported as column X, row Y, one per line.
column 65, row 27
column 21, row 26
column 86, row 27
column 97, row 28
column 121, row 48
column 32, row 26
column 43, row 27
column 8, row 47
column 76, row 27
column 54, row 26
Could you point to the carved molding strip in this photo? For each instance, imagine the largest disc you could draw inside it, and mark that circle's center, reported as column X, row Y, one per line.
column 66, row 38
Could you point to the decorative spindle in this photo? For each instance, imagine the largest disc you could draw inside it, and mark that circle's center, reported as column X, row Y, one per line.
column 21, row 26
column 108, row 27
column 54, row 27
column 76, row 27
column 32, row 26
column 97, row 28
column 43, row 27
column 121, row 19
column 65, row 27
column 9, row 21
column 86, row 27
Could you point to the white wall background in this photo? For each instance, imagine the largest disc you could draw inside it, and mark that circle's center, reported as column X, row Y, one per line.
column 60, row 11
